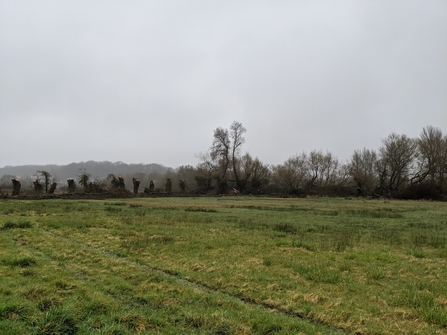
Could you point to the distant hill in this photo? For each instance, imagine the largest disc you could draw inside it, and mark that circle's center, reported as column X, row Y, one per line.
column 95, row 169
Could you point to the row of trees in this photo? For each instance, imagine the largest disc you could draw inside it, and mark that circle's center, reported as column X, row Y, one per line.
column 402, row 167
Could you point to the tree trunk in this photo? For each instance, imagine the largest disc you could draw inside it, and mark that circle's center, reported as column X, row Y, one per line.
column 37, row 186
column 16, row 186
column 71, row 185
column 121, row 182
column 52, row 188
column 136, row 185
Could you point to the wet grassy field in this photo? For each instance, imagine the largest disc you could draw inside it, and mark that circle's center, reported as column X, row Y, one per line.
column 229, row 265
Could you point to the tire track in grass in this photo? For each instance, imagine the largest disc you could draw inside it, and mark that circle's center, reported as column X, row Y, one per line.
column 196, row 284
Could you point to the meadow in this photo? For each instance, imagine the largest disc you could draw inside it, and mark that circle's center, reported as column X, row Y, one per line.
column 224, row 265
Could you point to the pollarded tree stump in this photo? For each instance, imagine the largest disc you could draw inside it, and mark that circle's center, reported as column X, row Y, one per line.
column 136, row 185
column 121, row 182
column 52, row 188
column 71, row 185
column 16, row 186
column 37, row 186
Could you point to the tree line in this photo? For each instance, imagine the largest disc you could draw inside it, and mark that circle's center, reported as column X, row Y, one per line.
column 403, row 167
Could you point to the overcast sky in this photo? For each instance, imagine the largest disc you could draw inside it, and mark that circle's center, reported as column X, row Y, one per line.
column 149, row 81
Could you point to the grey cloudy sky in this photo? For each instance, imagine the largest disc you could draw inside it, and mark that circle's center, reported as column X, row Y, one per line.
column 149, row 81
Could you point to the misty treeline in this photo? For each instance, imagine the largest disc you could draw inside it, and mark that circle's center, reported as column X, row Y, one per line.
column 402, row 167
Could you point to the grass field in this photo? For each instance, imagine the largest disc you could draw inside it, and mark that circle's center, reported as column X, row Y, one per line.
column 229, row 265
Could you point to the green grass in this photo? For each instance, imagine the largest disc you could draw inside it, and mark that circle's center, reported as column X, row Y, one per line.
column 232, row 265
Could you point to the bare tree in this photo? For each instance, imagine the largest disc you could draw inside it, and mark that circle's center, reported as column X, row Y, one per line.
column 292, row 176
column 362, row 169
column 325, row 173
column 186, row 174
column 237, row 131
column 205, row 172
column 395, row 165
column 225, row 152
column 432, row 156
column 220, row 154
column 253, row 175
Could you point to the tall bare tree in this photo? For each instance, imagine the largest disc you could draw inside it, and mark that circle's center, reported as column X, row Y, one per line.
column 395, row 165
column 205, row 171
column 237, row 132
column 432, row 158
column 220, row 153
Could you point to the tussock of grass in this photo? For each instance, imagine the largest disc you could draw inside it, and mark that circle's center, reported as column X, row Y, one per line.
column 13, row 225
column 19, row 261
column 318, row 273
column 201, row 209
column 57, row 320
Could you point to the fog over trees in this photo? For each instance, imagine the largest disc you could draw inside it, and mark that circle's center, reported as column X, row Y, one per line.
column 402, row 167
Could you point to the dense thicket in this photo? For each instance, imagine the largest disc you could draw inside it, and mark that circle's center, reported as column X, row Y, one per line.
column 403, row 167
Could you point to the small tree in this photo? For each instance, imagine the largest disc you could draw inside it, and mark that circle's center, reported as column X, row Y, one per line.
column 182, row 185
column 151, row 187
column 46, row 178
column 168, row 186
column 84, row 179
column 114, row 182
